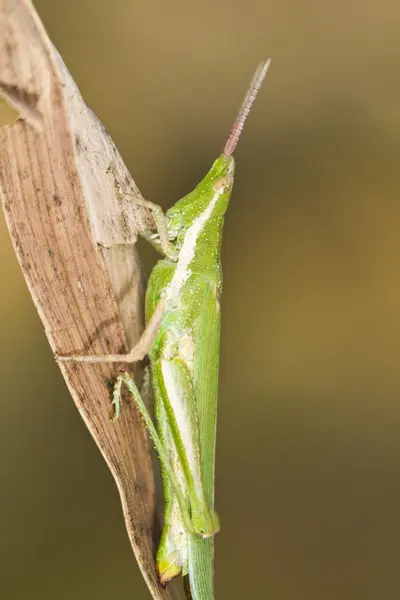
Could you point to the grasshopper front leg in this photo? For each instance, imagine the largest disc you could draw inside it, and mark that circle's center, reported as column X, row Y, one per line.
column 161, row 223
column 163, row 243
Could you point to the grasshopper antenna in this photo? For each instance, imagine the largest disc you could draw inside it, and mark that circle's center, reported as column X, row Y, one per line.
column 240, row 120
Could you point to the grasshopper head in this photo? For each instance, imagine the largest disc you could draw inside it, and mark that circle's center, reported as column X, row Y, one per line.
column 215, row 189
column 219, row 180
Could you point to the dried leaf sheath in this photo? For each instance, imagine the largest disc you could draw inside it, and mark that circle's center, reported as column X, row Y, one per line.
column 60, row 202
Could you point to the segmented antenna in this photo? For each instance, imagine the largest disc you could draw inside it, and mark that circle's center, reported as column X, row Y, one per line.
column 238, row 125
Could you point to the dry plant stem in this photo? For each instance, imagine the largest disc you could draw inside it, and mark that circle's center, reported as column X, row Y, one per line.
column 74, row 239
column 138, row 352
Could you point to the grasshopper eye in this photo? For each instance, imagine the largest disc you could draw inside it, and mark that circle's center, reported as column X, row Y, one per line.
column 223, row 184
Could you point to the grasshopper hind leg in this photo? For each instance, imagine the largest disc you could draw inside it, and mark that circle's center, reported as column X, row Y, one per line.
column 145, row 392
column 162, row 452
column 116, row 401
column 172, row 553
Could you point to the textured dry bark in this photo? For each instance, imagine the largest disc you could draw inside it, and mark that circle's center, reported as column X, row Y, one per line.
column 74, row 238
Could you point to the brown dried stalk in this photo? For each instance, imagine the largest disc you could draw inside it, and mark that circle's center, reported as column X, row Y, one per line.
column 74, row 238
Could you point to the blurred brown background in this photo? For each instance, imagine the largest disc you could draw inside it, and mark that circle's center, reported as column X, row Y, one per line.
column 308, row 462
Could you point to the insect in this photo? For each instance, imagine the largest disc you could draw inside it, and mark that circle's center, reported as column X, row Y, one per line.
column 181, row 339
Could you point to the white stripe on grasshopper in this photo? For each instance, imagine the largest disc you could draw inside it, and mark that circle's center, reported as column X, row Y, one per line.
column 183, row 419
column 177, row 531
column 186, row 255
column 186, row 347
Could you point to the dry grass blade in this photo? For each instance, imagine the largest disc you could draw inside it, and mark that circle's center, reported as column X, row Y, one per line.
column 75, row 242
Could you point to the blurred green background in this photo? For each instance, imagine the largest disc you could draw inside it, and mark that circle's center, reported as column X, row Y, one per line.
column 308, row 462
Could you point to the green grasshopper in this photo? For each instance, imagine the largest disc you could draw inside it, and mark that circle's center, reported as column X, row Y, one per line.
column 181, row 339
